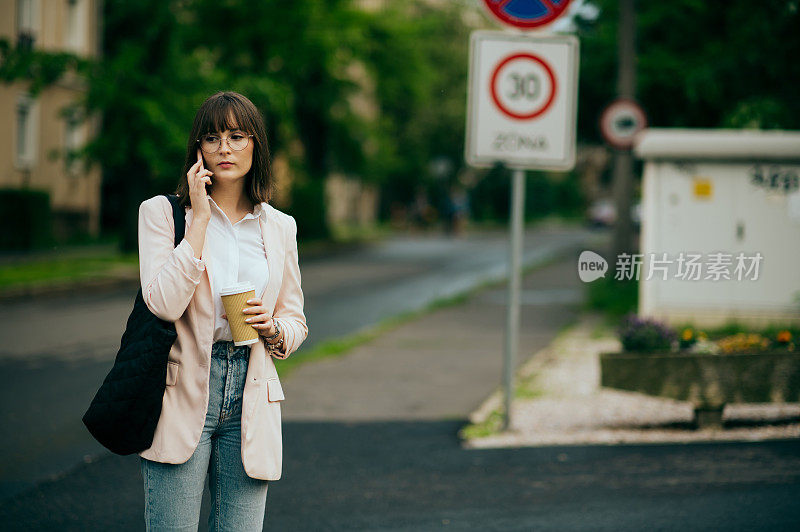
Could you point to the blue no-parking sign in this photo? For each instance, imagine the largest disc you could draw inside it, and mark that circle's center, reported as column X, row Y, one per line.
column 527, row 14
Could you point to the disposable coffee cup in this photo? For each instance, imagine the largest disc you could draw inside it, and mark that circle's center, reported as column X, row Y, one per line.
column 234, row 299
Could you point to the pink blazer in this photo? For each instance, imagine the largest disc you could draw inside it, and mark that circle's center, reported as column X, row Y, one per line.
column 176, row 290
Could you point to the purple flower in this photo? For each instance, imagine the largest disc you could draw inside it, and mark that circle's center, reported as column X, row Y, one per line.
column 642, row 334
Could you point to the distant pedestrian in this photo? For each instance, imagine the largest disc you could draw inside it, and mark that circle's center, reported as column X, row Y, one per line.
column 221, row 409
column 457, row 210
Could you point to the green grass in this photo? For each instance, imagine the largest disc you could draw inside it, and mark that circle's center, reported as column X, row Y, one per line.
column 612, row 298
column 346, row 233
column 491, row 425
column 601, row 330
column 525, row 388
column 81, row 263
column 60, row 269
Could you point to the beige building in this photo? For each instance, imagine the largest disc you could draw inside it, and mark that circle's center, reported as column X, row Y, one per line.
column 34, row 136
column 350, row 201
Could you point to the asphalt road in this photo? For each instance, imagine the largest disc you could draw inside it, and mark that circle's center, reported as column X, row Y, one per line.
column 54, row 365
column 382, row 475
column 413, row 476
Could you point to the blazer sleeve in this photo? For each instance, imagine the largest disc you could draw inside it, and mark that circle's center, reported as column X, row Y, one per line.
column 289, row 305
column 168, row 274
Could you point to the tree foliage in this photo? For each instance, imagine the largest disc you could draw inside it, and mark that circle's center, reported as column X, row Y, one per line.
column 313, row 67
column 700, row 63
column 303, row 63
column 418, row 57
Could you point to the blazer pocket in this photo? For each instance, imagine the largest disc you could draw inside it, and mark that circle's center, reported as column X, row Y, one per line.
column 172, row 373
column 274, row 390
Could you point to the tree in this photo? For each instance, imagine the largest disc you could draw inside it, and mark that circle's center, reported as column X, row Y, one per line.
column 417, row 54
column 146, row 89
column 291, row 60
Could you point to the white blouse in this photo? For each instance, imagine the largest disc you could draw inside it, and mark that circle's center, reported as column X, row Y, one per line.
column 236, row 254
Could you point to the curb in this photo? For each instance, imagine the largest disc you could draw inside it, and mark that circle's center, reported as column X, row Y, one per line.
column 496, row 398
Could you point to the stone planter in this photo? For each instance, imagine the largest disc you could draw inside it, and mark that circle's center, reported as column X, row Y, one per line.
column 707, row 380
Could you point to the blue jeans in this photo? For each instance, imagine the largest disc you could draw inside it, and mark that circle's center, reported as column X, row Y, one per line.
column 174, row 492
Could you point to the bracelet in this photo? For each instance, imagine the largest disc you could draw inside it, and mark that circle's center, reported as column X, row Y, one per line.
column 274, row 348
column 277, row 332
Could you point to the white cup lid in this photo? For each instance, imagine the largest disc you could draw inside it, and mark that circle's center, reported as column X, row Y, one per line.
column 237, row 288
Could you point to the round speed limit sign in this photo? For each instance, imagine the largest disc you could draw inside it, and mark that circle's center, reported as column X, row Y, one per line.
column 523, row 86
column 522, row 100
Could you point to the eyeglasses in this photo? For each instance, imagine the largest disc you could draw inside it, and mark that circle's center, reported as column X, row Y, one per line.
column 211, row 143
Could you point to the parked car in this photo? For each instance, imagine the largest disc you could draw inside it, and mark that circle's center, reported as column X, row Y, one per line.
column 603, row 213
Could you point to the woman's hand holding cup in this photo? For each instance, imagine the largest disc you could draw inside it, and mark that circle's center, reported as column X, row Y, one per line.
column 262, row 322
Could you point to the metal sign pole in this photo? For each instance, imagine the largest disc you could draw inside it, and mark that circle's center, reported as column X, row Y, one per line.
column 521, row 110
column 512, row 309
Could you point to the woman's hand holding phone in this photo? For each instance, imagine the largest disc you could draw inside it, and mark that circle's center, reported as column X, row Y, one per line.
column 198, row 178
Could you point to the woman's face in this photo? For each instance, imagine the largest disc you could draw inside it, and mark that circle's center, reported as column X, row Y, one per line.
column 227, row 163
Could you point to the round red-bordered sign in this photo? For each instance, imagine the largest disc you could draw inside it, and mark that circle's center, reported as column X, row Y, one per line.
column 493, row 90
column 526, row 14
column 621, row 121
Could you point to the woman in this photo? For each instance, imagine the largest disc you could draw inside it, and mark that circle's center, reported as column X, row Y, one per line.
column 221, row 408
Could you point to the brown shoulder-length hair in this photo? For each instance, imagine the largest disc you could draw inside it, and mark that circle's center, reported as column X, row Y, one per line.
column 215, row 115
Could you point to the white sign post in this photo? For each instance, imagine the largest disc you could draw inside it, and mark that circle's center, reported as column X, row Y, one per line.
column 522, row 103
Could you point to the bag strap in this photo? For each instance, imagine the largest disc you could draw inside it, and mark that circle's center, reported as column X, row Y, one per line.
column 179, row 216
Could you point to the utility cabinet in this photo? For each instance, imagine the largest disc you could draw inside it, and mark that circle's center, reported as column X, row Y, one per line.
column 728, row 196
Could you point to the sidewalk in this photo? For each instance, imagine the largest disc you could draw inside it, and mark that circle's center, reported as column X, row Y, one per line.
column 438, row 366
column 559, row 402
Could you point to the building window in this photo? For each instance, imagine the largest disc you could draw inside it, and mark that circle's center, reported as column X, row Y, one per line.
column 73, row 141
column 27, row 112
column 76, row 25
column 27, row 23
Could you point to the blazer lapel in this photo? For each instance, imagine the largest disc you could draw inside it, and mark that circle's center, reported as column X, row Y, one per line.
column 270, row 232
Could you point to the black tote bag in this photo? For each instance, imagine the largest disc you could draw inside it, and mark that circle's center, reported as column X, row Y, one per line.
column 125, row 410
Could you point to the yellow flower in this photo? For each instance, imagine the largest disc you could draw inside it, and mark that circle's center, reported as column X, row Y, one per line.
column 784, row 337
column 743, row 342
column 687, row 334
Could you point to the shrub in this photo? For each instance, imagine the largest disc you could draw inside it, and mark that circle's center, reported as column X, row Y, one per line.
column 26, row 219
column 615, row 298
column 642, row 334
